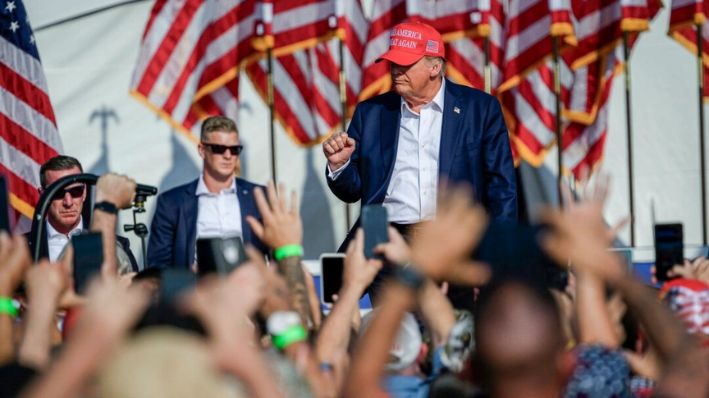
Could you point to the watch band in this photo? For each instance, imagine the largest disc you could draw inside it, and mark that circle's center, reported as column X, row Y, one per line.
column 410, row 277
column 106, row 207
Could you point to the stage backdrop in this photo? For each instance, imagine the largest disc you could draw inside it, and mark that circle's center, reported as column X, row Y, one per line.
column 89, row 61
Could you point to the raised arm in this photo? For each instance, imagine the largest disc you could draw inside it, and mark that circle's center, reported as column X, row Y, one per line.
column 282, row 230
column 118, row 191
column 335, row 333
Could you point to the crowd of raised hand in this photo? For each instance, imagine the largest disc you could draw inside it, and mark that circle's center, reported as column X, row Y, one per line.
column 260, row 331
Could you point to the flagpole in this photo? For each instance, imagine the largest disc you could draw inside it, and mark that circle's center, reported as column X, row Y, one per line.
column 487, row 68
column 557, row 100
column 629, row 135
column 343, row 105
column 272, row 112
column 702, row 171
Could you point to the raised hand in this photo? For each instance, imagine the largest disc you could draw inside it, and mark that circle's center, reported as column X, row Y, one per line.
column 115, row 188
column 396, row 250
column 281, row 223
column 442, row 248
column 359, row 272
column 338, row 149
column 14, row 261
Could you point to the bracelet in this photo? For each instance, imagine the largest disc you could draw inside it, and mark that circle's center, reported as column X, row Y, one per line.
column 285, row 251
column 7, row 306
column 106, row 207
column 289, row 336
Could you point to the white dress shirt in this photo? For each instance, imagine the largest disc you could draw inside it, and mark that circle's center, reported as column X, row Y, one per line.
column 218, row 214
column 57, row 240
column 413, row 187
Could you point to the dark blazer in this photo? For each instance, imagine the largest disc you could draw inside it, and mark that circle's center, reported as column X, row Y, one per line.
column 44, row 246
column 474, row 148
column 173, row 231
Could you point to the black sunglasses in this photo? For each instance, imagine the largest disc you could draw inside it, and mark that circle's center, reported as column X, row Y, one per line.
column 220, row 149
column 75, row 192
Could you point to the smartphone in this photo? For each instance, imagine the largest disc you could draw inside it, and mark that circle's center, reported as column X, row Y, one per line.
column 375, row 225
column 219, row 255
column 4, row 206
column 174, row 282
column 88, row 257
column 332, row 267
column 669, row 249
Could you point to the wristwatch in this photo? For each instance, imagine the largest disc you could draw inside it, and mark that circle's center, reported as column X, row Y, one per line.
column 106, row 207
column 285, row 329
column 410, row 277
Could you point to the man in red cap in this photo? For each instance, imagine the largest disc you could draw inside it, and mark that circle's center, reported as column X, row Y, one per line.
column 427, row 129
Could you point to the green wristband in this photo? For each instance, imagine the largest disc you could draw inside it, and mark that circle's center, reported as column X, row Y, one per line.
column 7, row 306
column 288, row 251
column 291, row 335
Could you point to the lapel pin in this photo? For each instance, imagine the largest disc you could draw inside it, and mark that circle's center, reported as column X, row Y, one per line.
column 456, row 109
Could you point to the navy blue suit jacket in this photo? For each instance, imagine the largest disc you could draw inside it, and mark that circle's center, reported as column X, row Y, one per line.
column 474, row 148
column 173, row 231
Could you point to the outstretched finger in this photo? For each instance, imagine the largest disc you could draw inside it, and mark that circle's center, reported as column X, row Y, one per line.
column 273, row 200
column 294, row 210
column 255, row 225
column 262, row 204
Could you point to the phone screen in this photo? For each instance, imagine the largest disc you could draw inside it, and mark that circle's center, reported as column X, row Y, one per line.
column 220, row 255
column 4, row 206
column 88, row 257
column 375, row 224
column 669, row 248
column 332, row 269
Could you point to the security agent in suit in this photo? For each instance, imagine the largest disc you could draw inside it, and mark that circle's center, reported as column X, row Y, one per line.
column 214, row 205
column 402, row 144
column 64, row 217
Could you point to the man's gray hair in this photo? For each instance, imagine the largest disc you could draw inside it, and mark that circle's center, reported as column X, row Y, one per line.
column 438, row 60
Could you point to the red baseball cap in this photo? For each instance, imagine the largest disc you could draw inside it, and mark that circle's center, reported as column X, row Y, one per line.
column 410, row 41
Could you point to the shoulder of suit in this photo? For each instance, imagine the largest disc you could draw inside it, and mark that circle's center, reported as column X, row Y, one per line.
column 246, row 184
column 387, row 98
column 180, row 190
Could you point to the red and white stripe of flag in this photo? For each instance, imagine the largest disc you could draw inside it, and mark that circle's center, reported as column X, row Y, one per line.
column 189, row 60
column 307, row 96
column 28, row 128
column 683, row 17
column 466, row 56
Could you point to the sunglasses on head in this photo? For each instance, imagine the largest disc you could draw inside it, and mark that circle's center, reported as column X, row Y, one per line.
column 220, row 149
column 75, row 192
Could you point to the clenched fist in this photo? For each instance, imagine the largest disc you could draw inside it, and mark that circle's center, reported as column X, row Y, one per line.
column 338, row 150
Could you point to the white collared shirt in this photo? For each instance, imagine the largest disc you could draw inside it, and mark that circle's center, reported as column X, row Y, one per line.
column 413, row 187
column 218, row 214
column 56, row 241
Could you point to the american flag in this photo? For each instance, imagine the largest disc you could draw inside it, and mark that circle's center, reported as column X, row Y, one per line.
column 683, row 17
column 189, row 61
column 587, row 73
column 306, row 82
column 466, row 56
column 28, row 128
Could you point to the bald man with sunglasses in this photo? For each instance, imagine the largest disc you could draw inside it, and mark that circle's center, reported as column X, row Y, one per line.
column 214, row 205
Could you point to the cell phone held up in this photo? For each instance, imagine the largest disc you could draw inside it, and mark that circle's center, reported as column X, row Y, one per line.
column 375, row 223
column 88, row 258
column 219, row 255
column 332, row 266
column 669, row 249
